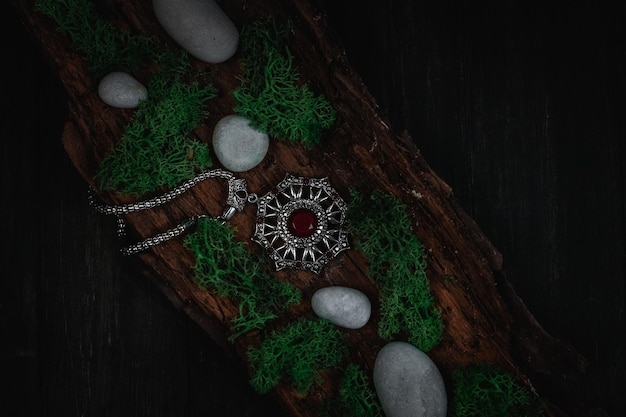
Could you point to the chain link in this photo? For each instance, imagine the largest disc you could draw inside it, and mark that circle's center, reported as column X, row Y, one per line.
column 236, row 200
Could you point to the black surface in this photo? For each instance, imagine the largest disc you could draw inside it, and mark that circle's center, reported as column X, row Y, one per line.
column 520, row 109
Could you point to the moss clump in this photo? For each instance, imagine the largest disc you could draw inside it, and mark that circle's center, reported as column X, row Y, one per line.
column 155, row 150
column 397, row 263
column 297, row 352
column 269, row 94
column 484, row 390
column 105, row 46
column 225, row 266
column 355, row 397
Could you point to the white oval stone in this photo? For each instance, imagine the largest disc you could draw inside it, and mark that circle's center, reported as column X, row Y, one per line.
column 121, row 90
column 408, row 382
column 237, row 145
column 343, row 306
column 200, row 27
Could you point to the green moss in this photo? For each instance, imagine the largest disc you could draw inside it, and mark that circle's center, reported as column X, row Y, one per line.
column 382, row 231
column 269, row 94
column 106, row 47
column 355, row 397
column 225, row 266
column 484, row 390
column 297, row 352
column 156, row 150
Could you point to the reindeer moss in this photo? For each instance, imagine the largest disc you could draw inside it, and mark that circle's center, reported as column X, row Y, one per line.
column 156, row 150
column 483, row 390
column 225, row 266
column 269, row 94
column 382, row 231
column 106, row 47
column 355, row 397
column 297, row 352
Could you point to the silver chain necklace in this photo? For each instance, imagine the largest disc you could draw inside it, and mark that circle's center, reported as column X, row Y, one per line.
column 299, row 222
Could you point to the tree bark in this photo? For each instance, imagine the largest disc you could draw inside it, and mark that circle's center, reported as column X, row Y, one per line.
column 484, row 319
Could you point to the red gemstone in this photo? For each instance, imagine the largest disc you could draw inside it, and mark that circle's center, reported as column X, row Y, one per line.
column 302, row 222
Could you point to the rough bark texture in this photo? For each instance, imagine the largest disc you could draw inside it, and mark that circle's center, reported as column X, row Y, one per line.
column 484, row 319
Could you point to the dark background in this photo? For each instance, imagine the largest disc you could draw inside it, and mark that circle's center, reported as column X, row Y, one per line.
column 519, row 108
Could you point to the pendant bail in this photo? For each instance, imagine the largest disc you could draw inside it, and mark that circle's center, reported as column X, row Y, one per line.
column 237, row 193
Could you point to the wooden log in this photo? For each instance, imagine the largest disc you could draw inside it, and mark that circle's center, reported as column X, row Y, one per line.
column 485, row 321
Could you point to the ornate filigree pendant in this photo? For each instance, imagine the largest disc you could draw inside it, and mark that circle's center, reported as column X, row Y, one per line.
column 300, row 223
